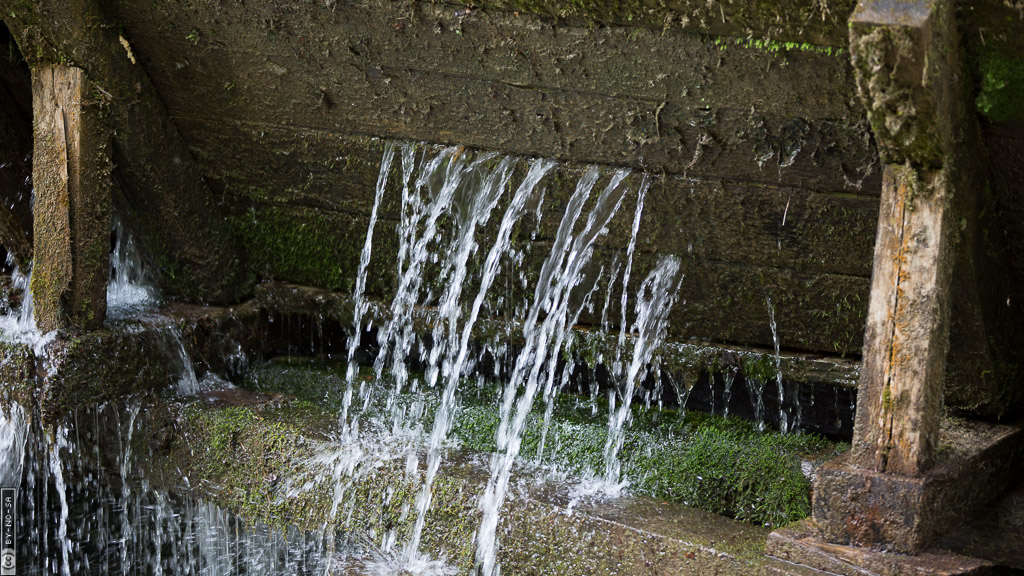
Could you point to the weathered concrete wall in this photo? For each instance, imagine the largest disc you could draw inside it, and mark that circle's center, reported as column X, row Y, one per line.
column 767, row 178
column 494, row 80
column 769, row 182
column 731, row 235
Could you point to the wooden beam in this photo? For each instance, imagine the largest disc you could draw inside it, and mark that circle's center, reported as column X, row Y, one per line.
column 71, row 172
column 160, row 193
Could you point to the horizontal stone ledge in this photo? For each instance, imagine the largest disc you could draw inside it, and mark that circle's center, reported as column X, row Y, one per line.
column 995, row 533
column 798, row 21
column 145, row 354
column 830, row 155
column 807, row 555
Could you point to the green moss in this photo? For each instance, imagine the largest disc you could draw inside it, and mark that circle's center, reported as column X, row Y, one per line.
column 104, row 365
column 17, row 375
column 760, row 368
column 298, row 245
column 244, row 450
column 263, row 461
column 716, row 464
column 303, row 378
column 1001, row 90
column 775, row 47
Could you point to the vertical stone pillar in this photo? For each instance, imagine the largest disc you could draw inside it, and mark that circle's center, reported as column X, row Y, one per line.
column 71, row 172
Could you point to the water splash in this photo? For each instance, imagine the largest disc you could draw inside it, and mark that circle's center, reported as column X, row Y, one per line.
column 13, row 435
column 456, row 362
column 58, row 441
column 360, row 305
column 130, row 288
column 19, row 327
column 188, row 384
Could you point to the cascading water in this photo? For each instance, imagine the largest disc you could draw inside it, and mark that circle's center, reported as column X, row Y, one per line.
column 559, row 275
column 783, row 416
column 448, row 199
column 58, row 442
column 787, row 421
column 13, row 434
column 130, row 293
column 77, row 516
column 358, row 302
column 19, row 325
column 463, row 190
column 456, row 360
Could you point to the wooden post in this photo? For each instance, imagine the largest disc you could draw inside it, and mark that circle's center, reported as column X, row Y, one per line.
column 899, row 402
column 71, row 172
column 905, row 55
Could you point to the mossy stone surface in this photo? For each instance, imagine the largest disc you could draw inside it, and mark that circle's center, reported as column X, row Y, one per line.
column 717, row 464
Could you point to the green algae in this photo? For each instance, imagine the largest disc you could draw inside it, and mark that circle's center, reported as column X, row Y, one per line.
column 271, row 463
column 722, row 465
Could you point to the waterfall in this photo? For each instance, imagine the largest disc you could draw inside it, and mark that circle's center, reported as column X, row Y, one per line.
column 784, row 423
column 456, row 361
column 13, row 435
column 58, row 441
column 447, row 197
column 105, row 522
column 364, row 263
column 19, row 326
